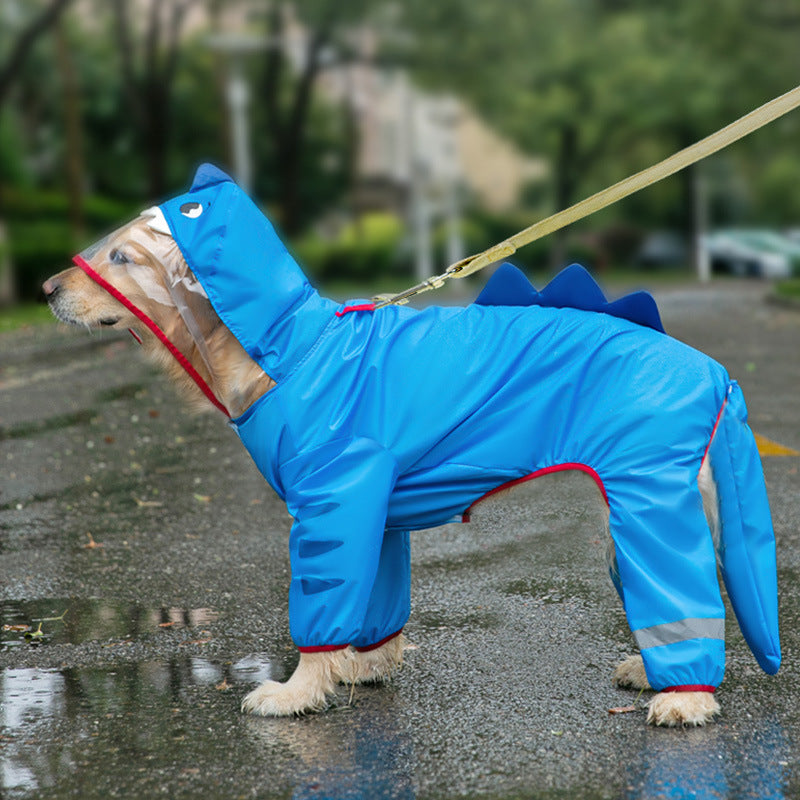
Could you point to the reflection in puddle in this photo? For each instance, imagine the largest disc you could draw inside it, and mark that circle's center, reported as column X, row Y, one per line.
column 706, row 763
column 36, row 705
column 73, row 621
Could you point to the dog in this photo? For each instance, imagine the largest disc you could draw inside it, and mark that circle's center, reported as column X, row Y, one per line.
column 371, row 423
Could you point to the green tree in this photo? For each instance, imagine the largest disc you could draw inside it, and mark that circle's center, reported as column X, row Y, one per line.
column 22, row 28
column 300, row 134
column 606, row 87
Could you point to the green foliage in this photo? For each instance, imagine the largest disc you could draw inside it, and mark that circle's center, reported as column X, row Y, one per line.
column 605, row 89
column 41, row 239
column 364, row 249
column 600, row 89
column 779, row 189
column 39, row 249
column 23, row 315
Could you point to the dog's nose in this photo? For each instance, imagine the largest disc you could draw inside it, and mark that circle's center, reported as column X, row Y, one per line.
column 50, row 287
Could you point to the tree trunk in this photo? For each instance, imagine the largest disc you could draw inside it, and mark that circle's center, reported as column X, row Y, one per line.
column 8, row 284
column 75, row 167
column 565, row 184
column 156, row 139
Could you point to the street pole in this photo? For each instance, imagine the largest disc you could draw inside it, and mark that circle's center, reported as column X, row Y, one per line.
column 237, row 95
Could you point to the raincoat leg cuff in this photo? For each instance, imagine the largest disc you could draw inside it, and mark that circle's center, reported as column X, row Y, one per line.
column 323, row 648
column 691, row 687
column 376, row 645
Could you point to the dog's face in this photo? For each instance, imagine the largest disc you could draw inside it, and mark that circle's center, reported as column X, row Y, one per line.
column 137, row 261
column 143, row 264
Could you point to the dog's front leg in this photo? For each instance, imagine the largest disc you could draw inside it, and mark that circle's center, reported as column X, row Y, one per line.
column 308, row 689
column 376, row 664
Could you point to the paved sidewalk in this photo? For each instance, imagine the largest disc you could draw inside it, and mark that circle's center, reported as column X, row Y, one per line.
column 148, row 559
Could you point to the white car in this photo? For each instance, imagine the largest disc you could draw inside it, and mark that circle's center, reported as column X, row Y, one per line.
column 728, row 254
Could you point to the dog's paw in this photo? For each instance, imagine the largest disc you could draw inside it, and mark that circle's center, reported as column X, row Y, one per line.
column 378, row 665
column 274, row 699
column 630, row 674
column 673, row 709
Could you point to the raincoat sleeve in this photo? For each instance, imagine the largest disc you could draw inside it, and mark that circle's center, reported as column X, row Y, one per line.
column 338, row 495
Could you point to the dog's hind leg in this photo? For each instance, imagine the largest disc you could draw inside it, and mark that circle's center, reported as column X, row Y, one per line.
column 630, row 674
column 668, row 579
column 674, row 709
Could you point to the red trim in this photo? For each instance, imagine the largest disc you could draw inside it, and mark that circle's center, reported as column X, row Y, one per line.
column 363, row 307
column 323, row 648
column 380, row 643
column 714, row 429
column 157, row 332
column 691, row 687
column 538, row 474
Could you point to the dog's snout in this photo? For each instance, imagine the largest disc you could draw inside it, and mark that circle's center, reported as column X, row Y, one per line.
column 50, row 287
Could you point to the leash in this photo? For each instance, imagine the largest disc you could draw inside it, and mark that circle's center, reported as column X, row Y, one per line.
column 669, row 166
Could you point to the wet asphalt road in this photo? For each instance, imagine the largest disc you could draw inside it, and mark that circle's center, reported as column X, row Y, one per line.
column 148, row 559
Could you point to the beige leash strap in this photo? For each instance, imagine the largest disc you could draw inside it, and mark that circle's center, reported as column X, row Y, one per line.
column 669, row 166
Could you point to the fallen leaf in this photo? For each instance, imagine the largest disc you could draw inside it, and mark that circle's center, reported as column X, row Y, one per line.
column 224, row 686
column 92, row 544
column 622, row 709
column 202, row 498
column 16, row 628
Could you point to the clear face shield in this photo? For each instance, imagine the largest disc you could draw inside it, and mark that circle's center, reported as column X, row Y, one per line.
column 141, row 266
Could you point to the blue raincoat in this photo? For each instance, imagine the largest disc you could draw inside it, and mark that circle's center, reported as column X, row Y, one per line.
column 388, row 421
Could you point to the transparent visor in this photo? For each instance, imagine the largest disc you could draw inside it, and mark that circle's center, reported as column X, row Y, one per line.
column 143, row 262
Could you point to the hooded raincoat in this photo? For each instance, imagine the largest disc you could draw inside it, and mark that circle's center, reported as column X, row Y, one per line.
column 383, row 422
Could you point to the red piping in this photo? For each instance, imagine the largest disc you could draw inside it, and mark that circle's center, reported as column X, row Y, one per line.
column 538, row 474
column 691, row 687
column 714, row 429
column 79, row 261
column 323, row 648
column 363, row 307
column 382, row 642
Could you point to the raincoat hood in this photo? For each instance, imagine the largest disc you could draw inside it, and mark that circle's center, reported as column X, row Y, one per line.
column 251, row 280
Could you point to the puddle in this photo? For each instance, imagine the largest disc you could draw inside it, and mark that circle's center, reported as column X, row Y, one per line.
column 75, row 621
column 50, row 719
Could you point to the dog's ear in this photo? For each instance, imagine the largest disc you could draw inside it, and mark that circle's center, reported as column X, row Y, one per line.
column 157, row 221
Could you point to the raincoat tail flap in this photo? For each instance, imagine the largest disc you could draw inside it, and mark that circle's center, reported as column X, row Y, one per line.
column 747, row 542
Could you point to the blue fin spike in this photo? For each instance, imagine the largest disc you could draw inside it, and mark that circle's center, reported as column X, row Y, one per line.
column 573, row 287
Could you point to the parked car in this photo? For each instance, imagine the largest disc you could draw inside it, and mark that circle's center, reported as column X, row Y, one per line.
column 662, row 249
column 760, row 254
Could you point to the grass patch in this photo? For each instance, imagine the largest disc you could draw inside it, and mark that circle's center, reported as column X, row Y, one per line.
column 23, row 315
column 789, row 289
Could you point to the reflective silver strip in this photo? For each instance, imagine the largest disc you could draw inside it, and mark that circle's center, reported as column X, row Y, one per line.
column 680, row 631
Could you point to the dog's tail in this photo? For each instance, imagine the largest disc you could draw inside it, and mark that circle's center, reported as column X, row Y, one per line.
column 746, row 545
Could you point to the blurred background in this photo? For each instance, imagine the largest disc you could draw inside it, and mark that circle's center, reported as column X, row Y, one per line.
column 387, row 139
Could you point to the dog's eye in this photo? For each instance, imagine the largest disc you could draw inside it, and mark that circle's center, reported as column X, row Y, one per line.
column 118, row 257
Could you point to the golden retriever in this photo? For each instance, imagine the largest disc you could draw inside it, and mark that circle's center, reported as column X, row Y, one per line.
column 136, row 261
